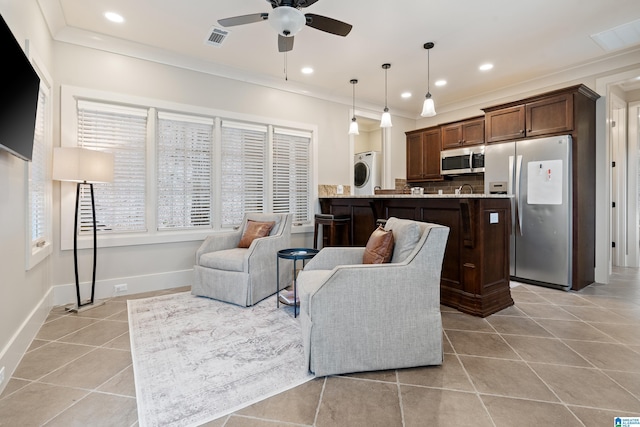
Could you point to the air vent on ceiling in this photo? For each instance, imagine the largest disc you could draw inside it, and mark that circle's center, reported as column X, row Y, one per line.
column 620, row 37
column 216, row 36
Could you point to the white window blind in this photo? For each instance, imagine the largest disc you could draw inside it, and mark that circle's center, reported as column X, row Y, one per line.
column 244, row 149
column 184, row 150
column 291, row 173
column 120, row 205
column 39, row 193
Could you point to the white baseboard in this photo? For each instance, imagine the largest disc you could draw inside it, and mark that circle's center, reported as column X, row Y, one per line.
column 12, row 353
column 19, row 343
column 66, row 294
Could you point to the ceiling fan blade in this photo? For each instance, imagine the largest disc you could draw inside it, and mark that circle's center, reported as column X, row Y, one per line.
column 328, row 25
column 243, row 19
column 306, row 3
column 285, row 44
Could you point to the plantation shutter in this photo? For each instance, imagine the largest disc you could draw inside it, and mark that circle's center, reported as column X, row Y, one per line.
column 120, row 205
column 243, row 170
column 184, row 171
column 291, row 173
column 39, row 205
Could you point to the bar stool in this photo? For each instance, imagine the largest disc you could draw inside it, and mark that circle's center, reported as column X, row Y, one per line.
column 330, row 238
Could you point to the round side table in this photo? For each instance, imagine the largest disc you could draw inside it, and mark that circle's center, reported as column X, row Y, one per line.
column 294, row 254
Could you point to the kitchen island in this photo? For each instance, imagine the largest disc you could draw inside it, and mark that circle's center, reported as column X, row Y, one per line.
column 475, row 271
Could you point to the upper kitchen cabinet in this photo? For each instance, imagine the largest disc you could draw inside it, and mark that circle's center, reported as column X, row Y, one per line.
column 423, row 155
column 547, row 114
column 463, row 134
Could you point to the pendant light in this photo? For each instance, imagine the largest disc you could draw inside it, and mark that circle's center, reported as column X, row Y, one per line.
column 428, row 108
column 385, row 122
column 353, row 127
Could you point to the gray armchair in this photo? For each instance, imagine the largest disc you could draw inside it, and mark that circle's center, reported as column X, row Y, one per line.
column 242, row 276
column 363, row 317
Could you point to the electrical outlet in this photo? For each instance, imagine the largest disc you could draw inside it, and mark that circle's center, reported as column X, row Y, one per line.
column 118, row 289
column 1, row 375
column 339, row 189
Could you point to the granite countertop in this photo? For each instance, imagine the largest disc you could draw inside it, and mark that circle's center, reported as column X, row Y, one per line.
column 422, row 196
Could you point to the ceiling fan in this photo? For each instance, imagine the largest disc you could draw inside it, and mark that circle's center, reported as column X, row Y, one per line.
column 288, row 20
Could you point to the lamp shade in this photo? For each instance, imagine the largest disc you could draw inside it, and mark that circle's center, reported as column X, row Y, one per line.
column 287, row 20
column 77, row 164
column 385, row 120
column 428, row 108
column 353, row 127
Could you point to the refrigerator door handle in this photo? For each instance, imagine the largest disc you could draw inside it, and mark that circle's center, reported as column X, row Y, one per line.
column 517, row 193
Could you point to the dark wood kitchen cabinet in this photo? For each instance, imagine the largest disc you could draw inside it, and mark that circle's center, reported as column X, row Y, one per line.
column 423, row 155
column 463, row 134
column 569, row 111
column 541, row 116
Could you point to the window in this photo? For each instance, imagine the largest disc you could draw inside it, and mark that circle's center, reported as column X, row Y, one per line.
column 292, row 173
column 182, row 171
column 39, row 178
column 243, row 163
column 120, row 205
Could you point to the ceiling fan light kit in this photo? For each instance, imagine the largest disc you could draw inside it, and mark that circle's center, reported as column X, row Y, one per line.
column 428, row 108
column 353, row 127
column 385, row 121
column 287, row 19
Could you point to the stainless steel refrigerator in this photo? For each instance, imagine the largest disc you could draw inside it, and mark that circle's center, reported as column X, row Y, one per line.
column 537, row 172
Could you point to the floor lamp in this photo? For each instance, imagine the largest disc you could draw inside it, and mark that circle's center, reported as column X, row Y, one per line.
column 84, row 167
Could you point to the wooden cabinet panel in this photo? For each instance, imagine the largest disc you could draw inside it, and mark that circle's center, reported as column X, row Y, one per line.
column 431, row 161
column 551, row 115
column 423, row 155
column 505, row 124
column 462, row 134
column 545, row 116
column 414, row 157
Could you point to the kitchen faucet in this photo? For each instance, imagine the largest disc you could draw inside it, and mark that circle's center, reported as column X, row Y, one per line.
column 465, row 185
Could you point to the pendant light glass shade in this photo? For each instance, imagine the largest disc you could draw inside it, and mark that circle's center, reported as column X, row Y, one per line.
column 428, row 108
column 353, row 126
column 385, row 121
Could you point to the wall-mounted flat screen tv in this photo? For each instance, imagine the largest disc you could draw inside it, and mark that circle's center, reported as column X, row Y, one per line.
column 19, row 99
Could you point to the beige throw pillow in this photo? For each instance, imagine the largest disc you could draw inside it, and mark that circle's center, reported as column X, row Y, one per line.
column 255, row 230
column 379, row 247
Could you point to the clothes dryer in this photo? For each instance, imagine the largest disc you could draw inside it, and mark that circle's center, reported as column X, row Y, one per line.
column 366, row 172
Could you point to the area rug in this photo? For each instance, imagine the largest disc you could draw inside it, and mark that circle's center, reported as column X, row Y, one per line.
column 197, row 359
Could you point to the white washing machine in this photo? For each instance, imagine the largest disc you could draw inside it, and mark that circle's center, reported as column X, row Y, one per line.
column 367, row 172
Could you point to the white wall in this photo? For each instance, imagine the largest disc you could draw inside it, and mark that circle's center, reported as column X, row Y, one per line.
column 24, row 301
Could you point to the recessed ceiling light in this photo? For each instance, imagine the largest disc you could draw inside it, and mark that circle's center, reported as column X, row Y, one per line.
column 485, row 67
column 114, row 17
column 307, row 70
column 406, row 95
column 441, row 82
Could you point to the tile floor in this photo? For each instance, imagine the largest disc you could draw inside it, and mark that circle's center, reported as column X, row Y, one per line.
column 554, row 359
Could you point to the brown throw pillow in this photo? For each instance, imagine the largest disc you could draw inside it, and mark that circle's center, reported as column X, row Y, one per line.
column 255, row 230
column 379, row 247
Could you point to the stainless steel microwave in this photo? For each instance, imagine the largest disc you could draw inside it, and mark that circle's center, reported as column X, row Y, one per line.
column 462, row 160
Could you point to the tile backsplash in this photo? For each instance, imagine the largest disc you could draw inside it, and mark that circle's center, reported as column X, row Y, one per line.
column 447, row 186
column 325, row 190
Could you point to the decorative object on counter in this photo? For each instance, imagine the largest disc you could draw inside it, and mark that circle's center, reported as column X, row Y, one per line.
column 353, row 127
column 385, row 122
column 428, row 108
column 417, row 191
column 84, row 167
